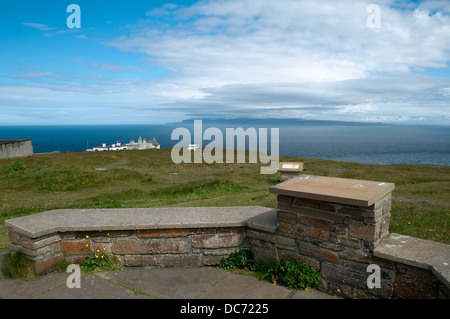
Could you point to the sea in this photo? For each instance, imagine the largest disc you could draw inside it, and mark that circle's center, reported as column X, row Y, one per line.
column 377, row 144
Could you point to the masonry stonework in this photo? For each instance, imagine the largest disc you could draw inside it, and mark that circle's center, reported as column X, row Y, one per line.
column 339, row 237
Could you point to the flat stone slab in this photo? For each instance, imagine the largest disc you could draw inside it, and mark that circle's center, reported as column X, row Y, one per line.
column 421, row 253
column 236, row 286
column 266, row 221
column 64, row 220
column 168, row 283
column 154, row 283
column 332, row 189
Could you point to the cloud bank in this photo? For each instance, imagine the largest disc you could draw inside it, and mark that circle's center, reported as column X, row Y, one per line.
column 285, row 58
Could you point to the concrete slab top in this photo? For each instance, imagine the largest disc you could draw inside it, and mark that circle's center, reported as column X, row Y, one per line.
column 417, row 252
column 332, row 189
column 64, row 220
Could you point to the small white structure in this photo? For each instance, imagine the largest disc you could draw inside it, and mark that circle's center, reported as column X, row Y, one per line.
column 192, row 147
column 142, row 144
column 290, row 170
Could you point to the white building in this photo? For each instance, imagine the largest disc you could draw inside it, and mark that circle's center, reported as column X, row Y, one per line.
column 141, row 144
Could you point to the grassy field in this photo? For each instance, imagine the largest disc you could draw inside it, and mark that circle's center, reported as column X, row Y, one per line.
column 149, row 178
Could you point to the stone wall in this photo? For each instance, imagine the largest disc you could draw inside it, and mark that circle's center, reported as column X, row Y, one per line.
column 145, row 247
column 340, row 236
column 16, row 148
column 339, row 241
column 335, row 239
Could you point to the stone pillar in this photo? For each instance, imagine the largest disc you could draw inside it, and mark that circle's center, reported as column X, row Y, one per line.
column 336, row 224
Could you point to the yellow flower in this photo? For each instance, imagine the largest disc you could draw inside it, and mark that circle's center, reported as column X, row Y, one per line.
column 104, row 248
column 102, row 256
column 87, row 245
column 87, row 236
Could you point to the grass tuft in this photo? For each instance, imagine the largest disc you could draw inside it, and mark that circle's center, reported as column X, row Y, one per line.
column 18, row 266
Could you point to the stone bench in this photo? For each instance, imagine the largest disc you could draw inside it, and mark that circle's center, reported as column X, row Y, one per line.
column 338, row 226
column 419, row 254
column 175, row 236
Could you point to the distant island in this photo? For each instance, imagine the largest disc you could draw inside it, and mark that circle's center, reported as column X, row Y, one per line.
column 278, row 121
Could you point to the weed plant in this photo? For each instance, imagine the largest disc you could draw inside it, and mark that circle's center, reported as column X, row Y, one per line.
column 289, row 273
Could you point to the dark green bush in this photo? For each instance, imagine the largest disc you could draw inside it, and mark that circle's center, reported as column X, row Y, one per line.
column 290, row 273
column 238, row 259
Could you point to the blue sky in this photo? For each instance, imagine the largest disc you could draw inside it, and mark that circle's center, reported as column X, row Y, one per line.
column 138, row 62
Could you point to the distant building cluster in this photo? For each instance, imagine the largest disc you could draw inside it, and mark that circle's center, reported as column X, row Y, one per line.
column 141, row 144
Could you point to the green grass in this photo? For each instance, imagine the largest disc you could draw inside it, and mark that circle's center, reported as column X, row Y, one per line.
column 149, row 178
column 98, row 262
column 18, row 266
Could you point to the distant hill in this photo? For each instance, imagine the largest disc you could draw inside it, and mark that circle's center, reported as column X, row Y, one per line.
column 276, row 121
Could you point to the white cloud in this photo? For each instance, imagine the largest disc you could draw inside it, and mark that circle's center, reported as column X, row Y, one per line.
column 38, row 26
column 300, row 46
column 293, row 58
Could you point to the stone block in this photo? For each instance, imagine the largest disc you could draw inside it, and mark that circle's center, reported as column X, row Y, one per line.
column 104, row 233
column 319, row 253
column 285, row 200
column 155, row 233
column 44, row 266
column 366, row 258
column 362, row 230
column 314, row 222
column 344, row 275
column 38, row 243
column 55, row 248
column 318, row 233
column 271, row 238
column 315, row 204
column 162, row 260
column 327, row 215
column 287, row 217
column 345, row 241
column 215, row 251
column 220, row 240
column 212, row 260
column 285, row 254
column 413, row 283
column 14, row 237
column 78, row 247
column 128, row 246
column 360, row 211
column 296, row 230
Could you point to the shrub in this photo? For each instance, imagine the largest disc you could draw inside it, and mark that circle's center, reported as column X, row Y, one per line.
column 239, row 259
column 99, row 262
column 290, row 273
column 15, row 166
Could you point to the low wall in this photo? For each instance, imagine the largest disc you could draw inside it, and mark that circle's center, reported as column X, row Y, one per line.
column 162, row 237
column 340, row 227
column 338, row 230
column 15, row 148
